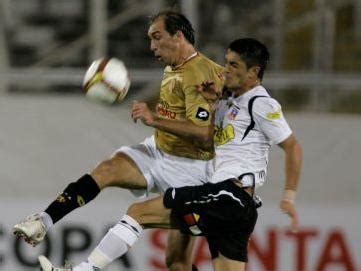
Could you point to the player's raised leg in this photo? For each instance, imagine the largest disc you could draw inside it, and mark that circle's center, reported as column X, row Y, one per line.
column 121, row 237
column 118, row 171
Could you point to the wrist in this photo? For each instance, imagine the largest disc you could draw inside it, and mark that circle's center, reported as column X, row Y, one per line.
column 289, row 195
column 155, row 123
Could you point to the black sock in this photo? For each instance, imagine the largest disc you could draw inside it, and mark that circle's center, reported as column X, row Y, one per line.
column 75, row 195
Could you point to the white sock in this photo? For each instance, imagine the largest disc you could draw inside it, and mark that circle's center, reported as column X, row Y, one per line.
column 84, row 266
column 115, row 243
column 48, row 222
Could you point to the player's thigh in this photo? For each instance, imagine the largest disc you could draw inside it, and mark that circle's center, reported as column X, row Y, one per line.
column 151, row 213
column 222, row 263
column 119, row 170
column 179, row 248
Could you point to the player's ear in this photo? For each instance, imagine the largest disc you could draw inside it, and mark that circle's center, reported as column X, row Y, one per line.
column 253, row 72
column 179, row 34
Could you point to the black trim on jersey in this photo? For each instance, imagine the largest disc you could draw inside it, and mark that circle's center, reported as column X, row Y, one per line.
column 250, row 107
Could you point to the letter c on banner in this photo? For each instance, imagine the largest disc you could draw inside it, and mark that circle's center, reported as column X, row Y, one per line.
column 24, row 259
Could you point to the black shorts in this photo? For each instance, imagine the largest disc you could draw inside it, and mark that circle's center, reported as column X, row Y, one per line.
column 223, row 212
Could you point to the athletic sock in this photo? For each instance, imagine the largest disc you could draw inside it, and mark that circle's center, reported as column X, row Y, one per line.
column 48, row 222
column 115, row 243
column 75, row 195
column 84, row 266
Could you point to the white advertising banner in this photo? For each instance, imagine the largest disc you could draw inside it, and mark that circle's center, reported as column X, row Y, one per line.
column 329, row 239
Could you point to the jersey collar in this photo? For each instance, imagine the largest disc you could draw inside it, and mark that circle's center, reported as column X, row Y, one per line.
column 252, row 92
column 185, row 61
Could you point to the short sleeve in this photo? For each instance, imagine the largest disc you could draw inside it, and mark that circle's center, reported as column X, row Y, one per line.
column 268, row 115
column 197, row 108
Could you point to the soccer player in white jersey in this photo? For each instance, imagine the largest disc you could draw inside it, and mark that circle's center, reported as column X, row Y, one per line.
column 224, row 210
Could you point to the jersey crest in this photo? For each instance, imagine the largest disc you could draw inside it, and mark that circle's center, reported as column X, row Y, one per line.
column 232, row 115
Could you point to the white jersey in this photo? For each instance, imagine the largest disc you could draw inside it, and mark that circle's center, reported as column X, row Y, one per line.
column 237, row 155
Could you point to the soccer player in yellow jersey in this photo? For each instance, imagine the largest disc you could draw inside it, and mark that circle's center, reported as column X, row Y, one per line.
column 179, row 153
column 179, row 101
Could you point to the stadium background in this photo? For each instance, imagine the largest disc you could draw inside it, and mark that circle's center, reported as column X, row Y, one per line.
column 50, row 134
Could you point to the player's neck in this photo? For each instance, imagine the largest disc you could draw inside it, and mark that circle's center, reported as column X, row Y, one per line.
column 185, row 55
column 242, row 90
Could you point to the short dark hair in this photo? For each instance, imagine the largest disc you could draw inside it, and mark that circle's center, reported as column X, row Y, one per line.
column 175, row 21
column 252, row 52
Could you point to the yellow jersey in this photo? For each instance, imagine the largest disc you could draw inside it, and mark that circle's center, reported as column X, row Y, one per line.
column 179, row 100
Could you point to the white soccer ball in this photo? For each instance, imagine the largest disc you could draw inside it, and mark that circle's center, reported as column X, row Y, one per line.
column 107, row 81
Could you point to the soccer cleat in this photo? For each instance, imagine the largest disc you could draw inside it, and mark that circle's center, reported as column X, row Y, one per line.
column 46, row 265
column 32, row 229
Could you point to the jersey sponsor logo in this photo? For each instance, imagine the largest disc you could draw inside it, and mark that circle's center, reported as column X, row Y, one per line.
column 163, row 110
column 223, row 135
column 202, row 114
column 274, row 115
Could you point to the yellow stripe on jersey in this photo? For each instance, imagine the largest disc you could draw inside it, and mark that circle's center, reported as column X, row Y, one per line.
column 274, row 115
column 180, row 100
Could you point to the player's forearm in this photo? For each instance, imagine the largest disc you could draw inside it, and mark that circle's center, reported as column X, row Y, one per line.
column 293, row 166
column 186, row 129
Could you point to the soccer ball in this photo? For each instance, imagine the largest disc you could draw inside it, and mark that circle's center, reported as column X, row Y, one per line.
column 107, row 81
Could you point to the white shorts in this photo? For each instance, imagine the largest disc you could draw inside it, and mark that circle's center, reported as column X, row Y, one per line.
column 162, row 170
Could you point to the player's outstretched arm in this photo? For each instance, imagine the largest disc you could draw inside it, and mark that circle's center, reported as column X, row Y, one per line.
column 293, row 163
column 185, row 128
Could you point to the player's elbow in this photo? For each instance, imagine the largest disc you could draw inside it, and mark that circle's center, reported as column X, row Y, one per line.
column 206, row 137
column 205, row 140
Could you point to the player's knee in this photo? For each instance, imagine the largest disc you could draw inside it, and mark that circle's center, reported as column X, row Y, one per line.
column 105, row 173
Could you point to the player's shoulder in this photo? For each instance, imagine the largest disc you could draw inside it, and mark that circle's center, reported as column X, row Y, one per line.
column 264, row 103
column 202, row 69
column 202, row 65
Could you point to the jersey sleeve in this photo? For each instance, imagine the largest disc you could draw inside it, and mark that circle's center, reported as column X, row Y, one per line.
column 267, row 114
column 197, row 108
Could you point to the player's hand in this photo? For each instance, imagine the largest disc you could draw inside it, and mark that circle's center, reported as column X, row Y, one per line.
column 141, row 111
column 289, row 208
column 209, row 91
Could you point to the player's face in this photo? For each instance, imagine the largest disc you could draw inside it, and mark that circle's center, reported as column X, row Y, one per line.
column 163, row 45
column 237, row 75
